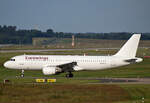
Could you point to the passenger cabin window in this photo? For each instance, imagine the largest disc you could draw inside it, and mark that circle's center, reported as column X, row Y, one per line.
column 12, row 59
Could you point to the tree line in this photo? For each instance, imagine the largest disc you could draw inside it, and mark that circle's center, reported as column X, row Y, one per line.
column 10, row 35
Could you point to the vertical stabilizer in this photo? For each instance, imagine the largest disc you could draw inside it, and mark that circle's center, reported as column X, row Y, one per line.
column 130, row 47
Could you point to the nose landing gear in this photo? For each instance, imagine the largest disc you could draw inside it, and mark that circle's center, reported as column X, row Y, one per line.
column 22, row 73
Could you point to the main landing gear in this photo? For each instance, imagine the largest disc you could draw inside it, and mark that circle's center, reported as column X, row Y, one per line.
column 69, row 75
column 22, row 73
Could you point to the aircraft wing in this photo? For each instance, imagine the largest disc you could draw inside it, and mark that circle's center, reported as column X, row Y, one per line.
column 68, row 67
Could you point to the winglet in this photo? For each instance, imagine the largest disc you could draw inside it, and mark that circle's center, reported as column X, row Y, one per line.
column 130, row 47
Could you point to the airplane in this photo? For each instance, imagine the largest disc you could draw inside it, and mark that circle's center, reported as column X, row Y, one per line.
column 56, row 64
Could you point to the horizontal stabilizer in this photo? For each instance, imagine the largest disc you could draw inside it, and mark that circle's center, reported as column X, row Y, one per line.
column 131, row 60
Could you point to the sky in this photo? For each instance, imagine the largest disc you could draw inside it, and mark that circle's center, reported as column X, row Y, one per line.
column 77, row 15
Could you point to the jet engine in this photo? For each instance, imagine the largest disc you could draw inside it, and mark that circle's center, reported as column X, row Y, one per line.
column 51, row 70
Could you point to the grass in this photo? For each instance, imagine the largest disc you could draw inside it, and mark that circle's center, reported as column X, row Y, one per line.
column 137, row 92
column 73, row 93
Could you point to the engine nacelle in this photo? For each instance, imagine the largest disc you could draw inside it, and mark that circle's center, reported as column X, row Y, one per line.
column 51, row 70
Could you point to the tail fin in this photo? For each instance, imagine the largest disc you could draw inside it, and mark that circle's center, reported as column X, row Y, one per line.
column 130, row 47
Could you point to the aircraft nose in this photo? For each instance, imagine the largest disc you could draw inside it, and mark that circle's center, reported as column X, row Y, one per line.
column 6, row 64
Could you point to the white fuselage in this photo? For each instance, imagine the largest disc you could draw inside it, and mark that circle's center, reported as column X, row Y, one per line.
column 37, row 62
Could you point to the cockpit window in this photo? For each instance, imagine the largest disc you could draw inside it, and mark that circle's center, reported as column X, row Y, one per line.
column 12, row 59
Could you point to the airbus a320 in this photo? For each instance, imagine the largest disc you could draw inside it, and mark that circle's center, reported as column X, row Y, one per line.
column 56, row 64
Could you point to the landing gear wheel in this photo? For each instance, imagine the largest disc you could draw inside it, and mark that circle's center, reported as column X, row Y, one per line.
column 70, row 75
column 22, row 73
